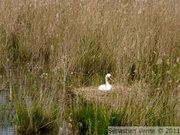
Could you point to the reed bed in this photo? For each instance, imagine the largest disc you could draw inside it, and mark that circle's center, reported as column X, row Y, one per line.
column 51, row 47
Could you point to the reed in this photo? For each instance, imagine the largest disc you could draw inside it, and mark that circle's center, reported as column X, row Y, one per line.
column 37, row 115
column 52, row 47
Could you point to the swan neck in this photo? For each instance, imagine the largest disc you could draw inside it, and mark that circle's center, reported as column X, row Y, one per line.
column 107, row 83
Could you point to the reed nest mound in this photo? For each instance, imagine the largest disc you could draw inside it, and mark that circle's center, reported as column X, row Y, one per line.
column 114, row 97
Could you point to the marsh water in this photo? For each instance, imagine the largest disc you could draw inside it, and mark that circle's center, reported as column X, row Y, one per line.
column 6, row 115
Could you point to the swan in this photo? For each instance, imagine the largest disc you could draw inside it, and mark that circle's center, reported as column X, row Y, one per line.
column 107, row 86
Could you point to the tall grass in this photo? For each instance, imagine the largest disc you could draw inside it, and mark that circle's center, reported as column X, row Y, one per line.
column 51, row 46
column 37, row 116
column 95, row 119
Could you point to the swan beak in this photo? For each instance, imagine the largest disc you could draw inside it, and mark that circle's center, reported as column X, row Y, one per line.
column 110, row 78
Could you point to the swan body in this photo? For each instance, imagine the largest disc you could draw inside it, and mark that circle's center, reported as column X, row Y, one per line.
column 106, row 86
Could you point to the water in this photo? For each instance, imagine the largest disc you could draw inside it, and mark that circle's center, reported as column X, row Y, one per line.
column 6, row 115
column 7, row 131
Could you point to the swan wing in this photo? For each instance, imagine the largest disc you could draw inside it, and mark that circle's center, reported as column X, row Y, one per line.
column 105, row 87
column 102, row 87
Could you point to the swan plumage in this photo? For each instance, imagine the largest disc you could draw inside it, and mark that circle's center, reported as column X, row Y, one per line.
column 106, row 86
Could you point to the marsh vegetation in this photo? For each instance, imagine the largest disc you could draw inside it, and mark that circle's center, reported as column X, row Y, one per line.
column 50, row 48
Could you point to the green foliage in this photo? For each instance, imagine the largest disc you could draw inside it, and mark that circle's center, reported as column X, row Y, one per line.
column 91, row 119
column 32, row 117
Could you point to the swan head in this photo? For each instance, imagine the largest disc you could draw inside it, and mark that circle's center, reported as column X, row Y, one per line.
column 108, row 75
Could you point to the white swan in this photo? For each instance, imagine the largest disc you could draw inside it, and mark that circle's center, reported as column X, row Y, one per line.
column 107, row 86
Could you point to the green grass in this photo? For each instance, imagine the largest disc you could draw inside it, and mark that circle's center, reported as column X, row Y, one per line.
column 36, row 116
column 92, row 118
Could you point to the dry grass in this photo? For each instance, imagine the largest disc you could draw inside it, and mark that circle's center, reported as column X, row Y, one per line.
column 115, row 97
column 77, row 42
